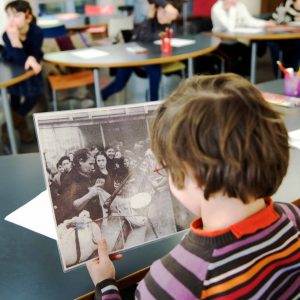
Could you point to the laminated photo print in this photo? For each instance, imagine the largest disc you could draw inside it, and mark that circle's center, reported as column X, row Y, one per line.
column 104, row 182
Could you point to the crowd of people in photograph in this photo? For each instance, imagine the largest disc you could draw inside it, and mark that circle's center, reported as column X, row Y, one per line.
column 84, row 173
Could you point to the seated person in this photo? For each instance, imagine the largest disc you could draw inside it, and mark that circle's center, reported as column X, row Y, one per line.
column 242, row 245
column 227, row 15
column 148, row 31
column 288, row 11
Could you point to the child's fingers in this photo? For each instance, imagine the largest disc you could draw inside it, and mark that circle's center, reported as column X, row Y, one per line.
column 103, row 250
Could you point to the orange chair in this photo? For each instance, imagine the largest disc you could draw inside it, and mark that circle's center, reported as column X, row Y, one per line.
column 69, row 81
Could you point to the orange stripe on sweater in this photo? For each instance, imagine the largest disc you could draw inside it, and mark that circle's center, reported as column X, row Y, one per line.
column 225, row 286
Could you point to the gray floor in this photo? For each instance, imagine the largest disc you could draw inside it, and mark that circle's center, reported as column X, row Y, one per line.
column 135, row 92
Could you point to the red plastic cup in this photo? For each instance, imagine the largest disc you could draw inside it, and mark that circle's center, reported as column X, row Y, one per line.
column 166, row 47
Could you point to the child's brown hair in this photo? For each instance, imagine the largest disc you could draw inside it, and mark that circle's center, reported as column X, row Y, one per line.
column 222, row 129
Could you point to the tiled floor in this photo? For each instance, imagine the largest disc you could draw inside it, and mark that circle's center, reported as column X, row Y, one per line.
column 135, row 93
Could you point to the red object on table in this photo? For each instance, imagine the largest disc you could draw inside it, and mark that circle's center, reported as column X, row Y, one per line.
column 90, row 9
column 202, row 8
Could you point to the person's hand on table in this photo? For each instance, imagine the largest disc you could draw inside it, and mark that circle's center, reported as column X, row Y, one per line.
column 270, row 24
column 32, row 63
column 102, row 268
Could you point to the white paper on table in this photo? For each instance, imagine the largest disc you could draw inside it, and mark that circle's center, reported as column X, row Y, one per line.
column 35, row 215
column 248, row 30
column 89, row 53
column 177, row 42
column 294, row 138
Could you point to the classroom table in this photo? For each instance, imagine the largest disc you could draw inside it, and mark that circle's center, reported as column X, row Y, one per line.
column 11, row 74
column 30, row 264
column 292, row 32
column 120, row 57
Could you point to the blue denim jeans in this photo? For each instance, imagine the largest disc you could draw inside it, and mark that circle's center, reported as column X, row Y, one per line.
column 123, row 75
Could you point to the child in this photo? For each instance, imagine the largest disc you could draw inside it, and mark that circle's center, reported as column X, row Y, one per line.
column 23, row 42
column 226, row 152
column 148, row 31
column 228, row 15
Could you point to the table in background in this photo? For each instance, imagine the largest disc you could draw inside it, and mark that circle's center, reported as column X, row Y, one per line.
column 290, row 188
column 11, row 74
column 120, row 57
column 254, row 38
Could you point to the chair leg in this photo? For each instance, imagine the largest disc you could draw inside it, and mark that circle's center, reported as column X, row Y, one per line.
column 54, row 99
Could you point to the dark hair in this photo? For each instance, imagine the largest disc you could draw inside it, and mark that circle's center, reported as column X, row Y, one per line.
column 21, row 6
column 108, row 147
column 81, row 155
column 220, row 128
column 60, row 161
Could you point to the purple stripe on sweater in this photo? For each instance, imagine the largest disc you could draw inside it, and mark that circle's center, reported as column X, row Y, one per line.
column 291, row 290
column 254, row 238
column 144, row 292
column 192, row 263
column 170, row 284
column 290, row 271
column 289, row 213
column 114, row 296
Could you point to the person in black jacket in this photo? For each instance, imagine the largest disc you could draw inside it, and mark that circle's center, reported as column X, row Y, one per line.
column 148, row 31
column 22, row 45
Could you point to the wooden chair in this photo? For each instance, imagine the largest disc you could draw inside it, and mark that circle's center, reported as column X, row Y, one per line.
column 69, row 81
column 123, row 283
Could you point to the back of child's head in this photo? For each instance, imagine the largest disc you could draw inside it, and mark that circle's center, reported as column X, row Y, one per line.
column 21, row 6
column 220, row 130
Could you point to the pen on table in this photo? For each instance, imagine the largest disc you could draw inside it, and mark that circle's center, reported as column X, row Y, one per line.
column 282, row 68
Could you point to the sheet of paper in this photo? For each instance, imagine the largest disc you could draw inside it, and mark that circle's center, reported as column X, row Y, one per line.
column 177, row 42
column 294, row 138
column 89, row 53
column 35, row 215
column 248, row 30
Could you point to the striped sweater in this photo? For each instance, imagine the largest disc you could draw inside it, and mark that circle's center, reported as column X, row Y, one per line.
column 286, row 12
column 258, row 258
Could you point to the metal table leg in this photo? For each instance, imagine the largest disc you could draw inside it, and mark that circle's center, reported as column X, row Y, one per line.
column 9, row 121
column 190, row 67
column 99, row 101
column 253, row 62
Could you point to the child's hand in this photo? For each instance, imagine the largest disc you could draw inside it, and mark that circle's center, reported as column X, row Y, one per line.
column 103, row 268
column 33, row 64
column 270, row 23
column 171, row 11
column 13, row 35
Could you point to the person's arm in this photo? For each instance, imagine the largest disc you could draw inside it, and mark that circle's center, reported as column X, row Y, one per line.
column 247, row 19
column 81, row 202
column 28, row 57
column 102, row 272
column 223, row 20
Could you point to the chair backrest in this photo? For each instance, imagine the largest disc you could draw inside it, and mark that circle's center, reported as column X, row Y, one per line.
column 55, row 31
column 116, row 25
column 202, row 8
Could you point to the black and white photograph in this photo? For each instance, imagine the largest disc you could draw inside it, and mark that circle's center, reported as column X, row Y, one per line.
column 104, row 181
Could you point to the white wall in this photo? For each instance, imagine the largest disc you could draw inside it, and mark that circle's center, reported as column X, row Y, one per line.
column 253, row 6
column 3, row 19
